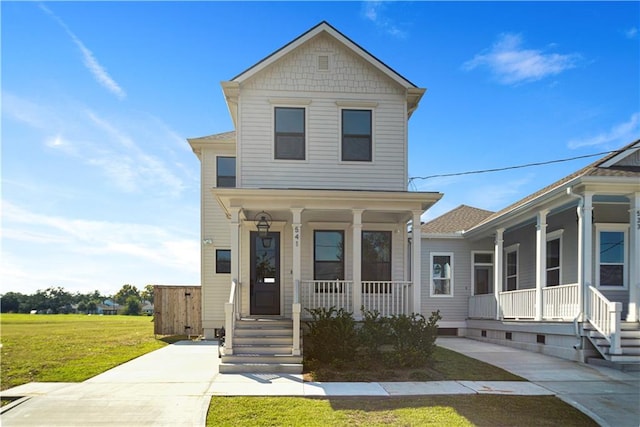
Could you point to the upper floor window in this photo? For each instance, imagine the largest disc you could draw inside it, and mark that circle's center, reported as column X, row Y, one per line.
column 289, row 133
column 511, row 269
column 442, row 274
column 226, row 172
column 482, row 273
column 356, row 135
column 611, row 255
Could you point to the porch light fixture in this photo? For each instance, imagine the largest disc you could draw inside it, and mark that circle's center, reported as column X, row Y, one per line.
column 263, row 223
column 207, row 242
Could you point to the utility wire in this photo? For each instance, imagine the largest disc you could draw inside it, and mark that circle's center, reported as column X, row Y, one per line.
column 528, row 165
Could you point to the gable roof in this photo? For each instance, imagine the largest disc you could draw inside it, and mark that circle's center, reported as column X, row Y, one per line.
column 611, row 165
column 457, row 220
column 323, row 27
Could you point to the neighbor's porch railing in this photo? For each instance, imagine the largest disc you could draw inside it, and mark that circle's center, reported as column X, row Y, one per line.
column 231, row 312
column 604, row 315
column 560, row 302
column 387, row 297
column 482, row 306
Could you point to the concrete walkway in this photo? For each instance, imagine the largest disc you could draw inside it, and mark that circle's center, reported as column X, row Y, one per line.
column 173, row 386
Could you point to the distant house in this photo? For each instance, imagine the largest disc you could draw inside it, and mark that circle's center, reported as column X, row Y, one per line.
column 108, row 307
column 305, row 205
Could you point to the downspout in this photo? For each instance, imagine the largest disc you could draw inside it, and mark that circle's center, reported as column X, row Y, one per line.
column 576, row 329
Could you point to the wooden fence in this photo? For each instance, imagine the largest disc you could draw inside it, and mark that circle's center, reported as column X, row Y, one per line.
column 178, row 310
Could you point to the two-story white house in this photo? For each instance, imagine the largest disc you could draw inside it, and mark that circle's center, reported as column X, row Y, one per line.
column 305, row 204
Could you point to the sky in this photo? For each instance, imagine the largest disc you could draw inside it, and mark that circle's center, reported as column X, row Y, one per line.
column 100, row 187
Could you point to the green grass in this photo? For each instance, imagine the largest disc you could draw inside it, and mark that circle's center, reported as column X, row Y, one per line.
column 69, row 348
column 468, row 410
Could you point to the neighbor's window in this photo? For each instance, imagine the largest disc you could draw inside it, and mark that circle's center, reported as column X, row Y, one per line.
column 289, row 133
column 223, row 261
column 482, row 273
column 225, row 171
column 611, row 254
column 441, row 274
column 356, row 135
column 554, row 254
column 511, row 269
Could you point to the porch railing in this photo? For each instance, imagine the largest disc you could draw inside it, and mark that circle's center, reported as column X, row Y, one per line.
column 482, row 306
column 388, row 298
column 560, row 302
column 604, row 315
column 520, row 304
column 231, row 312
column 326, row 293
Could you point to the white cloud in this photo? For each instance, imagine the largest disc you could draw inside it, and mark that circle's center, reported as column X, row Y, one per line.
column 631, row 33
column 373, row 11
column 87, row 253
column 618, row 135
column 512, row 64
column 99, row 72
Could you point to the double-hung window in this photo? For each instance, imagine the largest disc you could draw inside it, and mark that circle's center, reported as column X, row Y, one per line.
column 511, row 268
column 328, row 255
column 223, row 261
column 289, row 133
column 554, row 258
column 482, row 273
column 225, row 171
column 441, row 267
column 376, row 260
column 357, row 141
column 611, row 255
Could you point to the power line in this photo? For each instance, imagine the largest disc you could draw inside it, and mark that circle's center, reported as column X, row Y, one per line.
column 528, row 165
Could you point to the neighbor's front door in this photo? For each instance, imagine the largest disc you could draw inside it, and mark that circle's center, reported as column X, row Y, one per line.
column 265, row 274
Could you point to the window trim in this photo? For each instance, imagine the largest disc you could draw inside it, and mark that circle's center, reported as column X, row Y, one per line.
column 511, row 249
column 292, row 106
column 615, row 227
column 344, row 106
column 216, row 261
column 475, row 264
column 218, row 176
column 554, row 235
column 451, row 279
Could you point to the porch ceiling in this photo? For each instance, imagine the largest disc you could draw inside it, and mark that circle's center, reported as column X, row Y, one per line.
column 333, row 205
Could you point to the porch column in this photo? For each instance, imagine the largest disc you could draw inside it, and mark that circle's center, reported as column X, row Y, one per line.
column 234, row 234
column 541, row 261
column 357, row 263
column 497, row 270
column 581, row 294
column 297, row 238
column 416, row 270
column 633, row 313
column 587, row 248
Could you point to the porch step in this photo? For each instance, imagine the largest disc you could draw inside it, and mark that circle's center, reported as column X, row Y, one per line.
column 262, row 345
column 629, row 360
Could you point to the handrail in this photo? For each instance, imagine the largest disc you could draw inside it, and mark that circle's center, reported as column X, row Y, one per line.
column 604, row 316
column 231, row 310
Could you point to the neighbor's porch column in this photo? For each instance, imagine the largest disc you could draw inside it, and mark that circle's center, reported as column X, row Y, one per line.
column 416, row 273
column 633, row 314
column 587, row 248
column 357, row 263
column 541, row 261
column 497, row 270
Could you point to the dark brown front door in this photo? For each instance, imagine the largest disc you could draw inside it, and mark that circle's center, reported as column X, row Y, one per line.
column 265, row 274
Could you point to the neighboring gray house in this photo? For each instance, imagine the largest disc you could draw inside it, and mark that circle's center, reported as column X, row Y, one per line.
column 555, row 272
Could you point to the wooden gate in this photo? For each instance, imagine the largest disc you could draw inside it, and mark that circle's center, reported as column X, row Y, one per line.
column 178, row 310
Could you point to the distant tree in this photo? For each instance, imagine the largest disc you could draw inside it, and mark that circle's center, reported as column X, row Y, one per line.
column 82, row 307
column 92, row 307
column 147, row 293
column 10, row 302
column 125, row 292
column 132, row 306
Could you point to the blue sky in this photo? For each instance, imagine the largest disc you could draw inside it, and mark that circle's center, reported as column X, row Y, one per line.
column 100, row 188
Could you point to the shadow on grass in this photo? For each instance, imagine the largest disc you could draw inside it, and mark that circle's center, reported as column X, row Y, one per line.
column 480, row 410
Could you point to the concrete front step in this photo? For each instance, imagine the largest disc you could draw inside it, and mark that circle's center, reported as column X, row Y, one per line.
column 260, row 340
column 261, row 349
column 263, row 332
column 260, row 368
column 254, row 358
